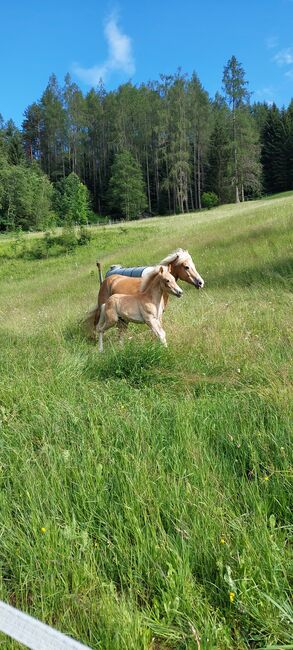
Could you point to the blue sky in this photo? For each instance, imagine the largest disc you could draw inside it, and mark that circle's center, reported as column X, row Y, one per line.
column 136, row 40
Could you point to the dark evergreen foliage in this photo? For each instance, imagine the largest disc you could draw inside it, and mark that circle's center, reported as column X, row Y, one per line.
column 126, row 195
column 180, row 142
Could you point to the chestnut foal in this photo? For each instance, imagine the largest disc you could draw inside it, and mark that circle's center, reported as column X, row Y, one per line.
column 144, row 306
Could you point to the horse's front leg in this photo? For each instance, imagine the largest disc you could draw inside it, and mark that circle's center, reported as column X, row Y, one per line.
column 156, row 327
column 165, row 298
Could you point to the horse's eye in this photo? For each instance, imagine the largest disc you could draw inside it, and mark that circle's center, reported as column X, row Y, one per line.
column 186, row 267
column 167, row 281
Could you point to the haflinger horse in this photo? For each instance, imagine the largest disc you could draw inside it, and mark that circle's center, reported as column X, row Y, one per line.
column 143, row 306
column 180, row 264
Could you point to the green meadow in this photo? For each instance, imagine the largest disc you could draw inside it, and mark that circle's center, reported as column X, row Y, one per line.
column 146, row 494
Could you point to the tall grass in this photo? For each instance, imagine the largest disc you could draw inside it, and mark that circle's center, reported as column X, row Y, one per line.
column 146, row 494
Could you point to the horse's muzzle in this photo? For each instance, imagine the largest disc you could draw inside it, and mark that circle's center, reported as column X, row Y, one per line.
column 199, row 284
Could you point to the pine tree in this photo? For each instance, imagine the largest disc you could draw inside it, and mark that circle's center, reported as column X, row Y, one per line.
column 218, row 167
column 75, row 123
column 273, row 157
column 234, row 85
column 179, row 153
column 96, row 145
column 52, row 133
column 250, row 169
column 31, row 129
column 289, row 146
column 13, row 144
column 126, row 194
column 199, row 116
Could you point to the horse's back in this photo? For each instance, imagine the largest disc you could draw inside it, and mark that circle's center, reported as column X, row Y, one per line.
column 130, row 272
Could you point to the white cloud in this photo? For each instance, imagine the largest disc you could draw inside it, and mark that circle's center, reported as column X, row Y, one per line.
column 289, row 73
column 272, row 42
column 284, row 57
column 120, row 57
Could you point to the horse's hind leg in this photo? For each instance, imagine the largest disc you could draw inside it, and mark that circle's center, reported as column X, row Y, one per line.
column 108, row 318
column 122, row 328
column 100, row 327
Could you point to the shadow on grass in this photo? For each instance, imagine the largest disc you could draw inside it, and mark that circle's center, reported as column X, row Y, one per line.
column 144, row 363
column 135, row 362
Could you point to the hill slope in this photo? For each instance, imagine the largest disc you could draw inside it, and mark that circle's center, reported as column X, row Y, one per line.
column 145, row 494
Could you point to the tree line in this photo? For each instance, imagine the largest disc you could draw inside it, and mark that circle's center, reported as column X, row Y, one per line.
column 163, row 147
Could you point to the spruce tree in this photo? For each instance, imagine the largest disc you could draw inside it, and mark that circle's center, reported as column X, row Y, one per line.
column 178, row 142
column 13, row 144
column 53, row 130
column 199, row 115
column 126, row 194
column 273, row 157
column 219, row 160
column 289, row 146
column 31, row 129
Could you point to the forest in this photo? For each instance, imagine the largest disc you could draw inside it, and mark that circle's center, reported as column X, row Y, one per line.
column 163, row 147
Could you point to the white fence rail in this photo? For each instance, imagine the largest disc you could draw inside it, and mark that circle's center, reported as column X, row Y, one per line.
column 32, row 633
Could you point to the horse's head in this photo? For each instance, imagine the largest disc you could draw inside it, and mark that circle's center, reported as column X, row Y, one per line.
column 168, row 282
column 185, row 270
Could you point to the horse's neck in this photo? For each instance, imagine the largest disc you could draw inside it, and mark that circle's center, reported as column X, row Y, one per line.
column 155, row 291
column 174, row 271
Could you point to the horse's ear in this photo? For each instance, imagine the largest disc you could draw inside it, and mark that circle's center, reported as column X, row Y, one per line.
column 169, row 268
column 161, row 269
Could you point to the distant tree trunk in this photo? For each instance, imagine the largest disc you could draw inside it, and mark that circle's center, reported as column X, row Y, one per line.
column 195, row 176
column 191, row 198
column 169, row 197
column 148, row 181
column 157, row 181
column 198, row 180
column 237, row 199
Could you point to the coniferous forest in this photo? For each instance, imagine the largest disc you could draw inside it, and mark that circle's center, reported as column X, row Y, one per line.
column 163, row 147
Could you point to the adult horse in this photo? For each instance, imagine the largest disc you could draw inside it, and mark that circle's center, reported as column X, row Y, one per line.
column 119, row 280
column 143, row 306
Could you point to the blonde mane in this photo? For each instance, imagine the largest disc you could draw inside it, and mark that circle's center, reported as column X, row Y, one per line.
column 148, row 278
column 179, row 255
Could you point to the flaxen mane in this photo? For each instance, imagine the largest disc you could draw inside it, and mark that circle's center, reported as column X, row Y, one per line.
column 148, row 278
column 179, row 255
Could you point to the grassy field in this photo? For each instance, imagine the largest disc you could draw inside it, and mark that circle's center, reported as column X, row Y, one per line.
column 145, row 493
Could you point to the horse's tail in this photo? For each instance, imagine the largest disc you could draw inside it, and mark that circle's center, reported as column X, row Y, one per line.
column 100, row 272
column 90, row 322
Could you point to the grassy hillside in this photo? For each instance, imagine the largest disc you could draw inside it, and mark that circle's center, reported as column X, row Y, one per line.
column 145, row 493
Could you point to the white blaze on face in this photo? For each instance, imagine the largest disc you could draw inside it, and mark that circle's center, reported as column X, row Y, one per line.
column 189, row 262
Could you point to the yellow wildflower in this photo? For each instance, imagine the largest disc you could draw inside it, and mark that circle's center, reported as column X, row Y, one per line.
column 232, row 596
column 266, row 478
column 43, row 530
column 222, row 541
